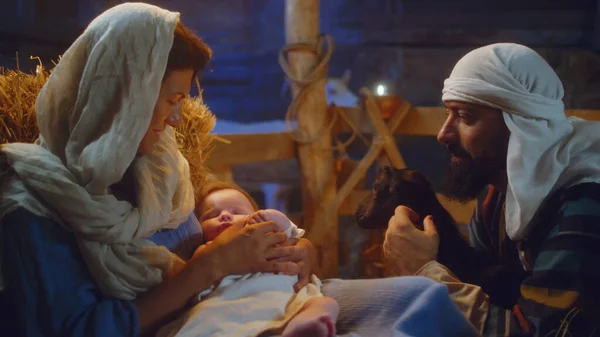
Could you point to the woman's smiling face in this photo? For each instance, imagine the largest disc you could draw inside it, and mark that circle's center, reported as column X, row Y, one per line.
column 167, row 111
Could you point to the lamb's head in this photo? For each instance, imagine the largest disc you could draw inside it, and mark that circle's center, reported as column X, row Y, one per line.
column 392, row 188
column 338, row 93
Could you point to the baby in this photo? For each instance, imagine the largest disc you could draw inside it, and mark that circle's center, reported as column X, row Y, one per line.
column 248, row 305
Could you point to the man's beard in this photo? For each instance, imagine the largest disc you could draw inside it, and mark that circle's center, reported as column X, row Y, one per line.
column 467, row 177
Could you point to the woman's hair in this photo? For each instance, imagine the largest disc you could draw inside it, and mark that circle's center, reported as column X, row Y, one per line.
column 188, row 51
column 215, row 186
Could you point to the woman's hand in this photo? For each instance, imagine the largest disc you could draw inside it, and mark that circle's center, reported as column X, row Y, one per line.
column 407, row 247
column 304, row 258
column 178, row 265
column 249, row 249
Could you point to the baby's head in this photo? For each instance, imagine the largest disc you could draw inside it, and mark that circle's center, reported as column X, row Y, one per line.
column 222, row 204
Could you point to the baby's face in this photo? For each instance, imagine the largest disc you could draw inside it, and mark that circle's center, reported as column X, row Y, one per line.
column 221, row 209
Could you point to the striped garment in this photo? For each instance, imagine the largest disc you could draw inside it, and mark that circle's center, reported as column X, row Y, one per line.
column 558, row 294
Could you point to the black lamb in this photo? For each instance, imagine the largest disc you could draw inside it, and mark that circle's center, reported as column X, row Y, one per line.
column 395, row 187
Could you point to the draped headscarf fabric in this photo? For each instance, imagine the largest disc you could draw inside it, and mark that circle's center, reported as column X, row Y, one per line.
column 546, row 150
column 92, row 115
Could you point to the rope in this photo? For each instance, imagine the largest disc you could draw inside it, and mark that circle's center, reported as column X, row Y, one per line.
column 304, row 84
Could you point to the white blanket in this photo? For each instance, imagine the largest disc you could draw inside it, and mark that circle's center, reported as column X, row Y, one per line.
column 92, row 114
column 546, row 150
column 248, row 307
column 245, row 305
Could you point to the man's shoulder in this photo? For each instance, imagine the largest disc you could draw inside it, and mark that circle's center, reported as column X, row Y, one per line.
column 581, row 192
column 576, row 200
column 573, row 212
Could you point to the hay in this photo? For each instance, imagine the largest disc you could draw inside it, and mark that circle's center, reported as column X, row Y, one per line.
column 19, row 90
column 194, row 138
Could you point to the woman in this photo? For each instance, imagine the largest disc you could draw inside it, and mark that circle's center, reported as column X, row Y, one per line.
column 87, row 213
column 105, row 118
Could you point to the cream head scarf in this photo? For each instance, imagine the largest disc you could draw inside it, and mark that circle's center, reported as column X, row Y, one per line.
column 546, row 150
column 92, row 114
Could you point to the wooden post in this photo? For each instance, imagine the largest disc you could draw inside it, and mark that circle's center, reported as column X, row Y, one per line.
column 316, row 158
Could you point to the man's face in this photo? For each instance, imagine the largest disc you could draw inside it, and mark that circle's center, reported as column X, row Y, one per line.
column 477, row 139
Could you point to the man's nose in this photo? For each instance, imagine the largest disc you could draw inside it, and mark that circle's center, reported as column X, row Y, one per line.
column 447, row 134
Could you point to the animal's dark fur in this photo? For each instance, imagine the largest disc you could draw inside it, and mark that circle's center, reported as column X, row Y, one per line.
column 499, row 280
column 407, row 187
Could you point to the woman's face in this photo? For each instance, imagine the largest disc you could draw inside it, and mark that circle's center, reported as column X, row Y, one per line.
column 221, row 209
column 167, row 110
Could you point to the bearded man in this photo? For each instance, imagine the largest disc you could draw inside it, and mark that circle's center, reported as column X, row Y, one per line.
column 535, row 175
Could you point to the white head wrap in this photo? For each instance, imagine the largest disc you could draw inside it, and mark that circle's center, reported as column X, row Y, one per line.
column 92, row 114
column 546, row 150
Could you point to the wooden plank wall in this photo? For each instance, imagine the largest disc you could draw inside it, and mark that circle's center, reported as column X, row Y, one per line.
column 409, row 45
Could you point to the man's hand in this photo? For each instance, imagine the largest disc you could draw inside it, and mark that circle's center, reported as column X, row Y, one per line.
column 405, row 246
column 304, row 257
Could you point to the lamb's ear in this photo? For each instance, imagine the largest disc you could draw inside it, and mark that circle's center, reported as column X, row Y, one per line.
column 418, row 178
column 396, row 181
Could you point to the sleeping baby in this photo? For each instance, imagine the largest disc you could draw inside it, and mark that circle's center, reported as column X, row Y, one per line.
column 252, row 304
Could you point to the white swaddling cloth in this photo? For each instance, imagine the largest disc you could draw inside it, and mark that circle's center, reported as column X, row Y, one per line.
column 92, row 115
column 546, row 150
column 245, row 305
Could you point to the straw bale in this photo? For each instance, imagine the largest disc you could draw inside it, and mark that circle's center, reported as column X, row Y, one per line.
column 18, row 92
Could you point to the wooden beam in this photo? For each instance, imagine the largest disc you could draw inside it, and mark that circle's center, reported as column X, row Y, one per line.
column 460, row 212
column 250, row 148
column 590, row 115
column 315, row 156
column 427, row 121
column 419, row 121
